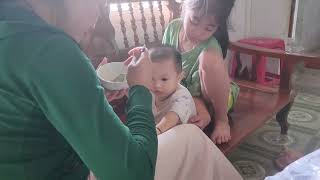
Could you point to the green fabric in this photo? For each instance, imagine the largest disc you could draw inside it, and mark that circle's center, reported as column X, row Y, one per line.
column 234, row 93
column 55, row 122
column 190, row 62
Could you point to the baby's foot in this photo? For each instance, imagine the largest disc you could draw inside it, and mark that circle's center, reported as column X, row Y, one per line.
column 221, row 133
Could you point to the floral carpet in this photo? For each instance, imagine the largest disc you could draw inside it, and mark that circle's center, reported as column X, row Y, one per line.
column 254, row 158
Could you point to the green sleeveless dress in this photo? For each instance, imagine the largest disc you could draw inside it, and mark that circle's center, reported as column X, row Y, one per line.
column 190, row 63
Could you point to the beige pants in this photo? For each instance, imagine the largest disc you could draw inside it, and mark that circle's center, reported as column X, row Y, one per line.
column 186, row 153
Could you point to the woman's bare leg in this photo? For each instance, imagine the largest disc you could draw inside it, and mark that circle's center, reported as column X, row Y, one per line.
column 215, row 86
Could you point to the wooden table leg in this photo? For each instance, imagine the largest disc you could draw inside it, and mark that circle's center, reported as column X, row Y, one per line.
column 282, row 118
column 287, row 156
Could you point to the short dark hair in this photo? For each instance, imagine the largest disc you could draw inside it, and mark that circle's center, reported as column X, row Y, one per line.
column 165, row 52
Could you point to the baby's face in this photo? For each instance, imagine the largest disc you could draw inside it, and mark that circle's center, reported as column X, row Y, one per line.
column 165, row 78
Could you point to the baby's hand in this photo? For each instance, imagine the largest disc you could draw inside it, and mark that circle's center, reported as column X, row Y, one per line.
column 158, row 131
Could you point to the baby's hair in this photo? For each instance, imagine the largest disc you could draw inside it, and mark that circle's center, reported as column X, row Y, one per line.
column 165, row 52
column 220, row 9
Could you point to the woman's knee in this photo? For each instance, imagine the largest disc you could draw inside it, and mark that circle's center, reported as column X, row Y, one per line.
column 189, row 128
column 182, row 132
column 190, row 134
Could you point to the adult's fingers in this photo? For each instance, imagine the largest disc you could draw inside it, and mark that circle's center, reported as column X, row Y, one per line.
column 144, row 55
column 103, row 62
column 135, row 51
column 128, row 61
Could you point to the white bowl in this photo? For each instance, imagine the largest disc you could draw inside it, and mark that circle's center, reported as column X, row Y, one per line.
column 107, row 74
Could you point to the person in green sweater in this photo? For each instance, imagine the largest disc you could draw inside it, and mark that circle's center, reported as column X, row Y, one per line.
column 55, row 122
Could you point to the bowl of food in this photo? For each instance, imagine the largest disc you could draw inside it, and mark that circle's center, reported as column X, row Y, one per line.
column 113, row 76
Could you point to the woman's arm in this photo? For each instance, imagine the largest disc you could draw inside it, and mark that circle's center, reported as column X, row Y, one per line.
column 215, row 81
column 64, row 85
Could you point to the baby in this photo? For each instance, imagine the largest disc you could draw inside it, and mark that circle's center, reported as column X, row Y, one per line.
column 173, row 103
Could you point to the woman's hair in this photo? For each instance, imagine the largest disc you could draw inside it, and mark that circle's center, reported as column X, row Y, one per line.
column 220, row 9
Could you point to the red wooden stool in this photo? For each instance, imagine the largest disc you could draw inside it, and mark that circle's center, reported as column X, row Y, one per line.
column 258, row 63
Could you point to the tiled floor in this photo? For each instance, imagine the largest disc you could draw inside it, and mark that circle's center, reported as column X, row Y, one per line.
column 254, row 159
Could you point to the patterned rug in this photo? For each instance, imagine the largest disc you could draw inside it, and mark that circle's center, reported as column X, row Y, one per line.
column 254, row 158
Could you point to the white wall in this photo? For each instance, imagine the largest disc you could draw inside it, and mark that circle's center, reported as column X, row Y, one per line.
column 270, row 18
column 308, row 24
column 267, row 18
column 240, row 20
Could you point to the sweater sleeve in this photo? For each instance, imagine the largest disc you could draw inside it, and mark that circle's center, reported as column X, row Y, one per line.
column 65, row 86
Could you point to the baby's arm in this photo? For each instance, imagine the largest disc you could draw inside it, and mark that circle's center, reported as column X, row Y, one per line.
column 181, row 110
column 170, row 120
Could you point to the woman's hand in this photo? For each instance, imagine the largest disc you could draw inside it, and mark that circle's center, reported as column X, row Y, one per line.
column 202, row 119
column 139, row 68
